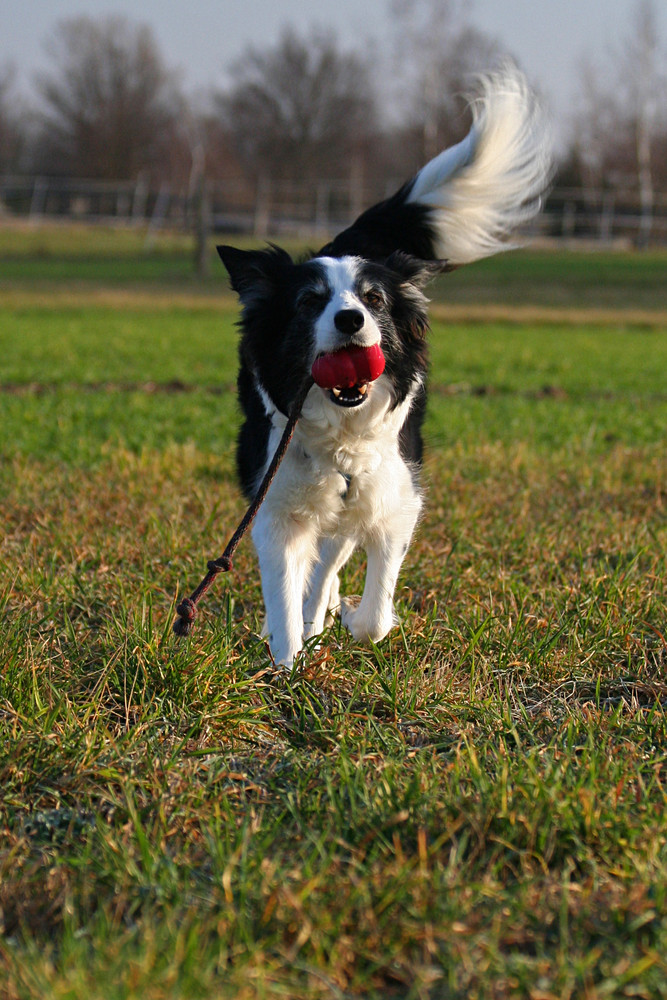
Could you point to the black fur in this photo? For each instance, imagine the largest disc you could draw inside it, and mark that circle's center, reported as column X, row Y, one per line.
column 393, row 224
column 281, row 300
column 276, row 343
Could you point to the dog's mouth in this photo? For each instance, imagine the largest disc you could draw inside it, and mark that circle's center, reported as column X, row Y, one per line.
column 350, row 395
column 347, row 374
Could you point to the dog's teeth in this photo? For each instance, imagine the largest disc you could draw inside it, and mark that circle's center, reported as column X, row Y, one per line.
column 350, row 394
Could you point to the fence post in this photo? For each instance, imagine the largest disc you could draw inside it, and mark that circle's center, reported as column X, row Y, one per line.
column 322, row 206
column 262, row 207
column 139, row 198
column 38, row 200
column 568, row 223
column 356, row 187
column 159, row 214
column 607, row 217
column 202, row 226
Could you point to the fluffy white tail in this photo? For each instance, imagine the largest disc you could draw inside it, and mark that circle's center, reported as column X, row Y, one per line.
column 479, row 191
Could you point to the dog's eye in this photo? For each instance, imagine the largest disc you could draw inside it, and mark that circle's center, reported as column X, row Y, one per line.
column 313, row 298
column 373, row 299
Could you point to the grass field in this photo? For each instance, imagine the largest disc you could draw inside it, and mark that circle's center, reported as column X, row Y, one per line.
column 475, row 808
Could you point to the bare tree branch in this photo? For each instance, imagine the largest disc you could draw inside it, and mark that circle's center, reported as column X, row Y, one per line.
column 12, row 133
column 621, row 124
column 297, row 109
column 110, row 103
column 437, row 52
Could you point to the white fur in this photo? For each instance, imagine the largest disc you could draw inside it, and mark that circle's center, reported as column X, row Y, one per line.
column 483, row 188
column 342, row 485
column 341, row 279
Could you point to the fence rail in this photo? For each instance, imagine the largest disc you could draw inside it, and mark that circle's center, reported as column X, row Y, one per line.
column 604, row 217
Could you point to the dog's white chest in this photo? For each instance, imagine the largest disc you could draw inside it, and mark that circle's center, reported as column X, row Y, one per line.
column 345, row 474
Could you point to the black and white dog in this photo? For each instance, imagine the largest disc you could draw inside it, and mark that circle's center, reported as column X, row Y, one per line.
column 350, row 477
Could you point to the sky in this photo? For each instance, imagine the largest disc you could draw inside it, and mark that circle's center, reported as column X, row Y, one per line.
column 202, row 38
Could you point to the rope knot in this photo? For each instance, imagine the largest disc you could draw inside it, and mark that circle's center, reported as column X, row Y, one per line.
column 187, row 612
column 221, row 565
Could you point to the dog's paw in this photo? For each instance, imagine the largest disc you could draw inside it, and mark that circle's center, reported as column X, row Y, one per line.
column 320, row 624
column 330, row 617
column 283, row 658
column 365, row 627
column 283, row 653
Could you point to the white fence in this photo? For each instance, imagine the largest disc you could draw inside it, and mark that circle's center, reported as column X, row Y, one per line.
column 604, row 217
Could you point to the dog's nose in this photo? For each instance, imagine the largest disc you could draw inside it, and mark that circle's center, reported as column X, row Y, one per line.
column 349, row 321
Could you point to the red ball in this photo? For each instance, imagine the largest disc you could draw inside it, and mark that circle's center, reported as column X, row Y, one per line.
column 348, row 367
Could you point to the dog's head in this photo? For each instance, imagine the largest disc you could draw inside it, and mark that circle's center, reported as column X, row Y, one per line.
column 295, row 312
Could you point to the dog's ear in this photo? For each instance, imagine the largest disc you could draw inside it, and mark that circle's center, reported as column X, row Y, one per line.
column 254, row 274
column 415, row 271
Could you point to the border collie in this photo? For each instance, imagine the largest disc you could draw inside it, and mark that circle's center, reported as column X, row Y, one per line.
column 350, row 477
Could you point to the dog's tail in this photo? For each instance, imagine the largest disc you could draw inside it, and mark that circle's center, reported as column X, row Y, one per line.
column 466, row 202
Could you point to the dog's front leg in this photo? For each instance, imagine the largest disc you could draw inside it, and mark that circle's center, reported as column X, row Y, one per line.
column 374, row 616
column 285, row 551
column 322, row 599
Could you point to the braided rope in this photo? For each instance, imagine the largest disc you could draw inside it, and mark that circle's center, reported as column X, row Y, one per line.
column 187, row 609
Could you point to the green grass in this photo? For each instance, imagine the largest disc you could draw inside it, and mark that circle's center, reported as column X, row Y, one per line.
column 92, row 344
column 474, row 808
column 36, row 255
column 562, row 278
column 48, row 256
column 87, row 379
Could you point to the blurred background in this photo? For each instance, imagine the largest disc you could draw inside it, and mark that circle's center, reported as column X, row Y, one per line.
column 260, row 119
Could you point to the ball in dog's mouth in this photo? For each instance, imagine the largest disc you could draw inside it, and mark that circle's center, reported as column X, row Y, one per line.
column 348, row 372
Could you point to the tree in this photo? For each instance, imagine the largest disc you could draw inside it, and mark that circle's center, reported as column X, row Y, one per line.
column 437, row 54
column 110, row 103
column 621, row 126
column 12, row 135
column 297, row 110
column 640, row 66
